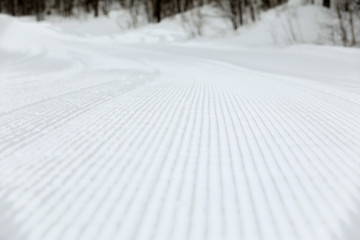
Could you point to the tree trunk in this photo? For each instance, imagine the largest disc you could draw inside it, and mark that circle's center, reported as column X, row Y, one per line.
column 341, row 24
column 95, row 4
column 351, row 23
column 240, row 6
column 157, row 10
column 13, row 7
column 252, row 10
column 326, row 3
column 233, row 12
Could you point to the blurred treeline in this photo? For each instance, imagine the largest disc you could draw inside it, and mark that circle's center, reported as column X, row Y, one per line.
column 155, row 10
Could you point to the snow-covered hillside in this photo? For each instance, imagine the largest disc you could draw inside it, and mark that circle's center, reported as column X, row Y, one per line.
column 108, row 135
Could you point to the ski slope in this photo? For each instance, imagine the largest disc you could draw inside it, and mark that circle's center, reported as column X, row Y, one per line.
column 102, row 140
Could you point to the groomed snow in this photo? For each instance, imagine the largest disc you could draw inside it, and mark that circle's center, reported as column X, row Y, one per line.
column 105, row 139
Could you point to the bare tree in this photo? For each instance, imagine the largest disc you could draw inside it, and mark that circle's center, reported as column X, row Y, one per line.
column 252, row 10
column 192, row 22
column 351, row 22
column 341, row 23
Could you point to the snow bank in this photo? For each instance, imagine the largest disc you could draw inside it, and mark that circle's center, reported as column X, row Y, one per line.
column 207, row 21
column 292, row 23
column 285, row 25
column 43, row 47
column 26, row 35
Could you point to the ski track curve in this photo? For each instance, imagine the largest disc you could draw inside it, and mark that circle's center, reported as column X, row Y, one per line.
column 196, row 149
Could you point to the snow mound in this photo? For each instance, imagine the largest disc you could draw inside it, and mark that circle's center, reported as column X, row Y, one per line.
column 286, row 25
column 26, row 35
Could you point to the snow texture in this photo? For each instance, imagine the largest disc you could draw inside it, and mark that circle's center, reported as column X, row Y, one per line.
column 103, row 140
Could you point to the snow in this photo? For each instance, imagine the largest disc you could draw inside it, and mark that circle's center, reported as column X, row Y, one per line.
column 109, row 135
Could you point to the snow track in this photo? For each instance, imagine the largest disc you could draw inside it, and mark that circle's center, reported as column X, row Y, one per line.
column 193, row 149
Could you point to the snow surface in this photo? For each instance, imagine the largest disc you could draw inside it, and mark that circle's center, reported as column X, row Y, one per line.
column 103, row 137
